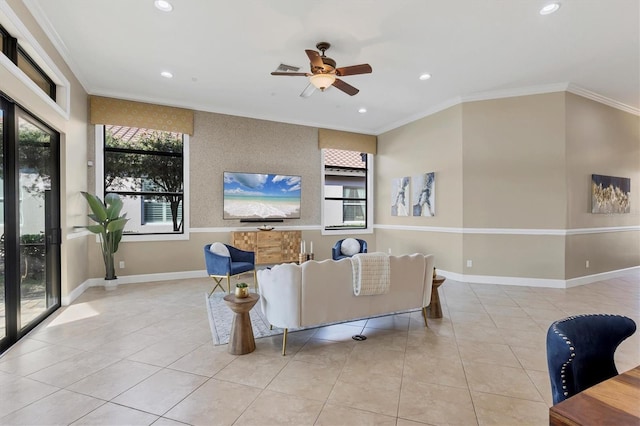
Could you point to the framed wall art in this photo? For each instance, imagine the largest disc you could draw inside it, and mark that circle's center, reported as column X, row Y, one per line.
column 400, row 196
column 423, row 194
column 610, row 194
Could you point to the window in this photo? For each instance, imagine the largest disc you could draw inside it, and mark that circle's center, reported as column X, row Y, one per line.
column 12, row 50
column 346, row 188
column 354, row 205
column 35, row 73
column 146, row 168
column 6, row 42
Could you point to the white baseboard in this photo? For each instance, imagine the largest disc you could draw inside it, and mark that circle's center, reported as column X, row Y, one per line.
column 475, row 279
column 132, row 279
column 535, row 282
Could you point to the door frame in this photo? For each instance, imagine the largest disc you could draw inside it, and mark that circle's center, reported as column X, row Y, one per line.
column 10, row 148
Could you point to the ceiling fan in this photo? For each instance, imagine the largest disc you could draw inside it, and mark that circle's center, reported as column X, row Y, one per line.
column 324, row 72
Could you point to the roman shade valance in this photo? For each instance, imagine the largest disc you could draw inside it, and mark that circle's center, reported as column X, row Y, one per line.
column 139, row 114
column 335, row 139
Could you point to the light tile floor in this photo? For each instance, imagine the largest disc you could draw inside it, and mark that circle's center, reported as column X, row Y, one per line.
column 143, row 354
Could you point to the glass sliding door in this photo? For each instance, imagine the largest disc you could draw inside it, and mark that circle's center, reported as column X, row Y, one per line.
column 30, row 242
column 34, row 182
column 3, row 317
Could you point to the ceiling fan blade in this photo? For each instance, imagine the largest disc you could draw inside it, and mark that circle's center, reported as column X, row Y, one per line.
column 345, row 87
column 304, row 74
column 353, row 70
column 308, row 91
column 314, row 57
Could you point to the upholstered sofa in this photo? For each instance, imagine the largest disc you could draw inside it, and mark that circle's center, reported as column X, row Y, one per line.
column 322, row 292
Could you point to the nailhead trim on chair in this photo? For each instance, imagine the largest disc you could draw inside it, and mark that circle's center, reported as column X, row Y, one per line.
column 570, row 344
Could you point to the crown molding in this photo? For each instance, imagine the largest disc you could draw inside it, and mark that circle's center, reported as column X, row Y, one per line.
column 519, row 91
column 577, row 90
column 512, row 93
column 56, row 40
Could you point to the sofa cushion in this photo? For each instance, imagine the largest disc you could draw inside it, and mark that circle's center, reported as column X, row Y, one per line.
column 350, row 246
column 219, row 249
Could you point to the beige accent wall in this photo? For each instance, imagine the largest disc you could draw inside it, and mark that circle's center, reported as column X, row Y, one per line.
column 432, row 144
column 605, row 141
column 234, row 144
column 514, row 175
column 514, row 162
column 520, row 256
column 608, row 251
column 514, row 178
column 73, row 150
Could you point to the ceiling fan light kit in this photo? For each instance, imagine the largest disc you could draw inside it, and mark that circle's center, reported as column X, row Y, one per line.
column 324, row 72
column 322, row 81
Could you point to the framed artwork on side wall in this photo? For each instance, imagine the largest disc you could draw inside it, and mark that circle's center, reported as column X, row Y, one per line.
column 423, row 194
column 610, row 194
column 400, row 196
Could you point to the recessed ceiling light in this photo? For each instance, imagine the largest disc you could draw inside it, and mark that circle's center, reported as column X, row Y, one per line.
column 362, row 110
column 166, row 74
column 163, row 5
column 550, row 8
column 425, row 76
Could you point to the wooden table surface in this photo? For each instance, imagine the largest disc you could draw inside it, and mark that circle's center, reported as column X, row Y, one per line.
column 613, row 402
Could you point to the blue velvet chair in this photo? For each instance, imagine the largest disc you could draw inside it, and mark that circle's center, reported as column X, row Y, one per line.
column 336, row 252
column 580, row 351
column 220, row 267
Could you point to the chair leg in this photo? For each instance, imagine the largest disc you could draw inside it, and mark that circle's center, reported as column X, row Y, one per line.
column 228, row 283
column 255, row 280
column 284, row 341
column 424, row 314
column 218, row 282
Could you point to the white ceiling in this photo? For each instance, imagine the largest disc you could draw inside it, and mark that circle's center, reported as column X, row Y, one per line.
column 221, row 53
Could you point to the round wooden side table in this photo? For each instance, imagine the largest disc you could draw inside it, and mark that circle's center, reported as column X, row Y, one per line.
column 241, row 339
column 434, row 310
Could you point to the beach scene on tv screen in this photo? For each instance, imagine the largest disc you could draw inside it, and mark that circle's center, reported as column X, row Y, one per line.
column 261, row 196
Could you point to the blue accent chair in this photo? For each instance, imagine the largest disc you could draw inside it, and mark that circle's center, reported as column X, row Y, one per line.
column 580, row 351
column 336, row 252
column 220, row 267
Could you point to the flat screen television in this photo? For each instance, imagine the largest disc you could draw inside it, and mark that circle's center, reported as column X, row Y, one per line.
column 255, row 197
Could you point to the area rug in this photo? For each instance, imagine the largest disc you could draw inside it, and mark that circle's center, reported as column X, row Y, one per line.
column 220, row 318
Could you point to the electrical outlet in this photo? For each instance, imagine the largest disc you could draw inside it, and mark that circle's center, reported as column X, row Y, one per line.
column 122, row 264
column 469, row 263
column 389, row 250
column 586, row 264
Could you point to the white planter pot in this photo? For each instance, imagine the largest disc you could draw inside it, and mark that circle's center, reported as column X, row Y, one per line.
column 110, row 284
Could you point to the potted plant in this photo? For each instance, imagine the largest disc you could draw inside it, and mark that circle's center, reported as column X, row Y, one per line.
column 109, row 226
column 242, row 290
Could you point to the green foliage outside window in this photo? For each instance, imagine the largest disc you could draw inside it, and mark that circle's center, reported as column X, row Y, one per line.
column 150, row 162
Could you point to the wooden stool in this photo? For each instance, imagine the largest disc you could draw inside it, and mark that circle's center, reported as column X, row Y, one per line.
column 241, row 339
column 434, row 310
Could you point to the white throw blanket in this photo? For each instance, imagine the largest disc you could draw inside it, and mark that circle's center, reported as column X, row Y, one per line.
column 370, row 273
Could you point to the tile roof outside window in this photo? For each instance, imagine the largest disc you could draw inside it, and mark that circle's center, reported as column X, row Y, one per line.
column 133, row 133
column 340, row 158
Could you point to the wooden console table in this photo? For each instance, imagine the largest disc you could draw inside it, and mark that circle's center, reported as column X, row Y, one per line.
column 613, row 402
column 270, row 247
